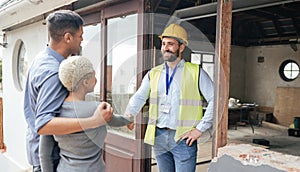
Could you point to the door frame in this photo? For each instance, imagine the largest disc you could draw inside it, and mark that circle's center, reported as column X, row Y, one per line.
column 137, row 154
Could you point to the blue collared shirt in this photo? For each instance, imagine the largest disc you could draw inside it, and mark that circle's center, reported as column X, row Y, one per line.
column 44, row 95
column 169, row 120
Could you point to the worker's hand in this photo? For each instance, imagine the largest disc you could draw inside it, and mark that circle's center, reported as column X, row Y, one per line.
column 130, row 126
column 103, row 113
column 192, row 136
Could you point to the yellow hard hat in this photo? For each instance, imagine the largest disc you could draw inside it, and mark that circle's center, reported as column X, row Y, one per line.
column 175, row 31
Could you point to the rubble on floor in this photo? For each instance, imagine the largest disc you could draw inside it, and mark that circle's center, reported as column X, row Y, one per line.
column 249, row 158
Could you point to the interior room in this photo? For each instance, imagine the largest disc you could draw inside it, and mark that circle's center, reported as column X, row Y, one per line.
column 257, row 72
column 264, row 39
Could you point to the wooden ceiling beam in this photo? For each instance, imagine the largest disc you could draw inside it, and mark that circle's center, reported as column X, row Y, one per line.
column 277, row 27
column 284, row 11
column 284, row 38
column 261, row 30
column 262, row 14
column 296, row 26
column 174, row 6
column 156, row 5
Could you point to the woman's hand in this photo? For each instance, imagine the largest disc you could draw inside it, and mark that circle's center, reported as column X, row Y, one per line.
column 103, row 114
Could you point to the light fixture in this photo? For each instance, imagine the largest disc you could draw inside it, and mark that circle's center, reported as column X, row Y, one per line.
column 4, row 40
column 4, row 44
column 260, row 59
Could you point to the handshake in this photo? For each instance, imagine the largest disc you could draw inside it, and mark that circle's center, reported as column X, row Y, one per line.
column 104, row 114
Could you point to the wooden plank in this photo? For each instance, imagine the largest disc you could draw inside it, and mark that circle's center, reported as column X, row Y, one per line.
column 265, row 109
column 204, row 151
column 222, row 67
column 286, row 105
column 275, row 126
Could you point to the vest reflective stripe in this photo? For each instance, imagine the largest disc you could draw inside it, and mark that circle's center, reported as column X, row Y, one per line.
column 189, row 114
column 153, row 100
column 187, row 123
column 151, row 121
column 191, row 102
column 190, row 110
column 153, row 108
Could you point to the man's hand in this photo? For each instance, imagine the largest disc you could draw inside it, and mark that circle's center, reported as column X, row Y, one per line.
column 192, row 136
column 130, row 126
column 103, row 113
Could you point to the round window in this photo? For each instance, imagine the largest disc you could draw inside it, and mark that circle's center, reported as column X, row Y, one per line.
column 20, row 65
column 289, row 70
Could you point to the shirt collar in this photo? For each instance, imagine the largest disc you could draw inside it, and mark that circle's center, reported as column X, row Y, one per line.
column 54, row 54
column 179, row 65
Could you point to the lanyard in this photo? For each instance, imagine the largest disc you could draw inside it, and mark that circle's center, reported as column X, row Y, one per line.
column 168, row 82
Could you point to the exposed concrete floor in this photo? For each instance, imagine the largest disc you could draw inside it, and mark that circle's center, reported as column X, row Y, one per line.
column 279, row 142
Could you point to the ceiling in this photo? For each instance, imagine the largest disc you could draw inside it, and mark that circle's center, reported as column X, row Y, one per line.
column 254, row 22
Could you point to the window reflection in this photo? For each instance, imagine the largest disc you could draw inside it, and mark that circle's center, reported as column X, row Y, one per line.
column 22, row 65
column 206, row 60
column 91, row 49
column 121, row 63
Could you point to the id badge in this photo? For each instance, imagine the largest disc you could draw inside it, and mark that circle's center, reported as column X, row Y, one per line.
column 164, row 106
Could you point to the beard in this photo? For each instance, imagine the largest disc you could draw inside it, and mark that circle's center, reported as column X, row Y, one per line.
column 170, row 56
column 76, row 51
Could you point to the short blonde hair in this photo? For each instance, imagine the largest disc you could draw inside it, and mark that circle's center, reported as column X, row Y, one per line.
column 73, row 70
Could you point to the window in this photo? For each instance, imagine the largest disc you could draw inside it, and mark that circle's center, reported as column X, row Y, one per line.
column 91, row 49
column 121, row 65
column 20, row 65
column 289, row 70
column 206, row 60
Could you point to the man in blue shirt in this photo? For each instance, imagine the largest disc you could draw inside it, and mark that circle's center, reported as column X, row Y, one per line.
column 44, row 93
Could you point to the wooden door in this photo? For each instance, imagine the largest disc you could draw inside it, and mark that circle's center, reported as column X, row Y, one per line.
column 122, row 68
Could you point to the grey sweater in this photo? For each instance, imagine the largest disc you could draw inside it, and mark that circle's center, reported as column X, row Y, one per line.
column 82, row 151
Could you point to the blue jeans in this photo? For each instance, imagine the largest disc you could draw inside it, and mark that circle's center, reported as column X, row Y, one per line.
column 172, row 156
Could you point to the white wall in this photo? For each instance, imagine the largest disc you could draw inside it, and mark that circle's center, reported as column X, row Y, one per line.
column 263, row 78
column 257, row 82
column 34, row 37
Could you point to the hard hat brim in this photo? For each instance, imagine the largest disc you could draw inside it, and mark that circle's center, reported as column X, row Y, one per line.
column 177, row 39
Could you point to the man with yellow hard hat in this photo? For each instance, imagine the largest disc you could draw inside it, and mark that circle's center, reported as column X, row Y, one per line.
column 176, row 90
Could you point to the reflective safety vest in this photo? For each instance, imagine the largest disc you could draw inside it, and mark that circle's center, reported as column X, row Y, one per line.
column 190, row 110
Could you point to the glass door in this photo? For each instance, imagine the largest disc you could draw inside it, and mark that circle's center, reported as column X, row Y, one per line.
column 121, row 65
column 122, row 60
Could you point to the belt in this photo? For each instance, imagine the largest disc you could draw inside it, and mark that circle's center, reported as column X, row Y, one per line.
column 164, row 128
